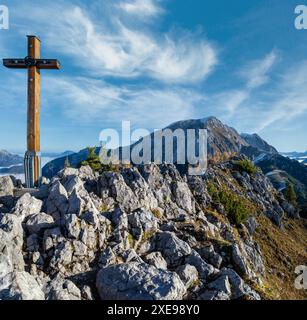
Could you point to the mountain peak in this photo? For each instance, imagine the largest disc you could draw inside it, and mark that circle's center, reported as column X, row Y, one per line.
column 257, row 142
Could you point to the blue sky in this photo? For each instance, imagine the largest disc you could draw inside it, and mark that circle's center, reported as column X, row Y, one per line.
column 155, row 62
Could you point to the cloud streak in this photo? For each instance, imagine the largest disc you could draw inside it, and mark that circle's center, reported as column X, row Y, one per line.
column 256, row 72
column 104, row 45
column 141, row 8
column 106, row 103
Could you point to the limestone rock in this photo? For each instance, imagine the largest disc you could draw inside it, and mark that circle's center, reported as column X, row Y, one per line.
column 22, row 286
column 57, row 201
column 138, row 281
column 172, row 248
column 38, row 222
column 188, row 274
column 62, row 289
column 141, row 222
column 6, row 186
column 26, row 206
column 156, row 259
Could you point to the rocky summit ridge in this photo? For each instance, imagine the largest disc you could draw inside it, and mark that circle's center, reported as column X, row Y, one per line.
column 144, row 232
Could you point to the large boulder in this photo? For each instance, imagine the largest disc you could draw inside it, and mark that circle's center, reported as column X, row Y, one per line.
column 38, row 222
column 62, row 289
column 6, row 186
column 172, row 248
column 240, row 290
column 20, row 286
column 26, row 206
column 142, row 221
column 138, row 281
column 57, row 201
column 11, row 240
column 188, row 274
column 156, row 259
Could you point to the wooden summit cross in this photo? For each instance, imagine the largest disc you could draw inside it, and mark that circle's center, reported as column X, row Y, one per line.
column 33, row 62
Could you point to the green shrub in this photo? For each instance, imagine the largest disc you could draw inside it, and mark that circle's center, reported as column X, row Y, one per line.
column 247, row 166
column 290, row 194
column 213, row 191
column 94, row 162
column 236, row 207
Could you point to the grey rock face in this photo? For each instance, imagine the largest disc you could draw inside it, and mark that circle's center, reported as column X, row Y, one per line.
column 211, row 256
column 86, row 293
column 239, row 260
column 156, row 259
column 72, row 225
column 36, row 223
column 239, row 287
column 6, row 266
column 219, row 289
column 221, row 284
column 11, row 240
column 62, row 257
column 172, row 248
column 204, row 269
column 113, row 184
column 107, row 258
column 27, row 205
column 138, row 281
column 20, row 286
column 151, row 232
column 6, row 186
column 57, row 202
column 142, row 221
column 188, row 274
column 251, row 225
column 254, row 255
column 62, row 289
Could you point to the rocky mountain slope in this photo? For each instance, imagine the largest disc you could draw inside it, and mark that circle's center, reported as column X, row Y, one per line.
column 257, row 142
column 149, row 232
column 282, row 171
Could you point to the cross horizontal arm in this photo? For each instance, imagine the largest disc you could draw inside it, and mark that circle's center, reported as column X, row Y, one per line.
column 26, row 63
column 48, row 64
column 15, row 63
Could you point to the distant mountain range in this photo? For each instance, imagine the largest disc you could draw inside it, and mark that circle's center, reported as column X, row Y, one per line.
column 7, row 159
column 13, row 164
column 299, row 156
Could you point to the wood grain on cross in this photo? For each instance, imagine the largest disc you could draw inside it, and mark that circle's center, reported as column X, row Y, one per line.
column 34, row 64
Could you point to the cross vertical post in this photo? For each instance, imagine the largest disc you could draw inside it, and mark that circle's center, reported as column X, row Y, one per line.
column 34, row 64
column 32, row 162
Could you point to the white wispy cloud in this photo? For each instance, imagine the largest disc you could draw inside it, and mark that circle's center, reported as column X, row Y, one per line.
column 104, row 45
column 97, row 101
column 142, row 8
column 256, row 72
column 290, row 98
